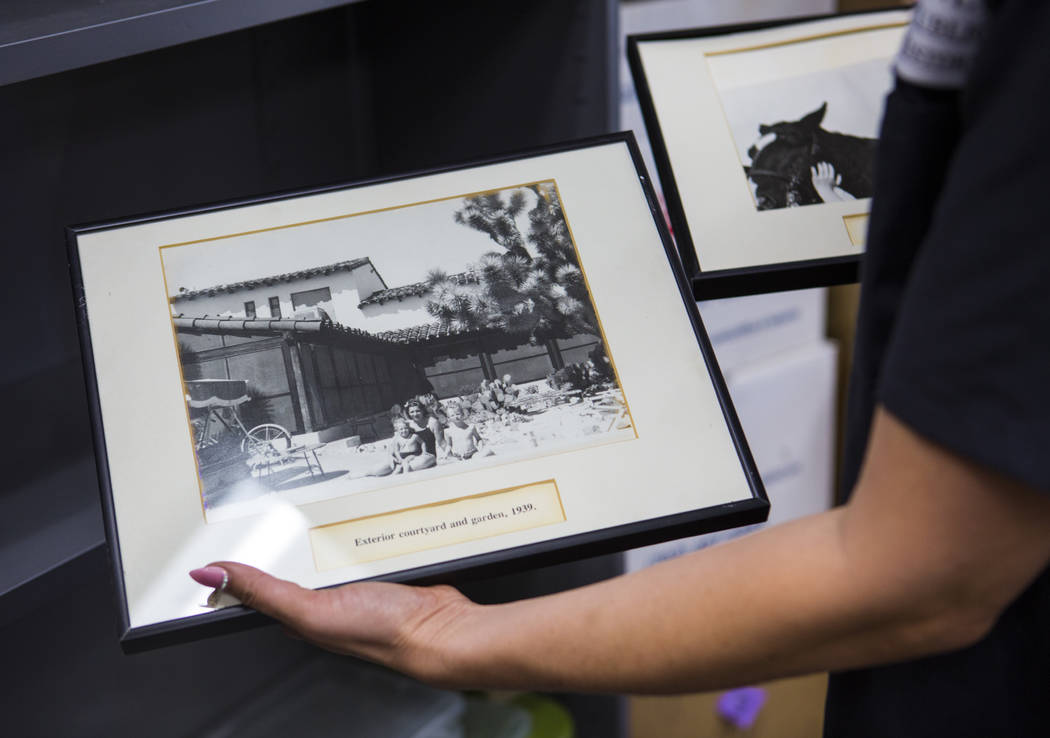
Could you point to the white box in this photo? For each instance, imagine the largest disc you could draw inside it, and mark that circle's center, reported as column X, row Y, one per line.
column 746, row 330
column 786, row 406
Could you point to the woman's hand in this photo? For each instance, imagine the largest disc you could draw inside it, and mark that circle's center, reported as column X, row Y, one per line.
column 395, row 625
column 826, row 182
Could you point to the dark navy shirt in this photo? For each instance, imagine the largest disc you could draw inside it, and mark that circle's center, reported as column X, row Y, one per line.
column 953, row 338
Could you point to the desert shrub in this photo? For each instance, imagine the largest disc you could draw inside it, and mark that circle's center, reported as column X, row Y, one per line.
column 599, row 364
column 570, row 376
column 582, row 375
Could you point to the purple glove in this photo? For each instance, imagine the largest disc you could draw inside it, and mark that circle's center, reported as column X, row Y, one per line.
column 740, row 707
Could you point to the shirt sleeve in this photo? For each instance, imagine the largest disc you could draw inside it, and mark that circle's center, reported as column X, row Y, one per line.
column 968, row 364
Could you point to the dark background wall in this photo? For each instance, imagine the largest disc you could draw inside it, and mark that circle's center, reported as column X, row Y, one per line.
column 360, row 91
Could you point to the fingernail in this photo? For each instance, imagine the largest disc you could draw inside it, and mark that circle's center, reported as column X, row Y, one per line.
column 211, row 576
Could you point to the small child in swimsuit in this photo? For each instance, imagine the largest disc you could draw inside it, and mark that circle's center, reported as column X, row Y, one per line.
column 463, row 437
column 404, row 445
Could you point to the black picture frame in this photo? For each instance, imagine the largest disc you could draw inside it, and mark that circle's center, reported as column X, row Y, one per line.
column 753, row 278
column 601, row 540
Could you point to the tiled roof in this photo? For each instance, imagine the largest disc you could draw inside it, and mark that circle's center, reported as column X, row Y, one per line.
column 417, row 289
column 339, row 266
column 260, row 326
column 265, row 326
column 423, row 333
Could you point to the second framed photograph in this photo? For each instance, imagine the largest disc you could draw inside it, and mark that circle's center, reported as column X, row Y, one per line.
column 471, row 370
column 764, row 137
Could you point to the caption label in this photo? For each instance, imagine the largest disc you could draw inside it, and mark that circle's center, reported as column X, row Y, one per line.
column 432, row 526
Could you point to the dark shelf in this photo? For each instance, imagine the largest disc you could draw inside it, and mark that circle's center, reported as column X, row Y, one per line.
column 42, row 37
column 48, row 522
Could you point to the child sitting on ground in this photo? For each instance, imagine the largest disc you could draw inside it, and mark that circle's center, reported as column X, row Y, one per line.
column 462, row 436
column 404, row 446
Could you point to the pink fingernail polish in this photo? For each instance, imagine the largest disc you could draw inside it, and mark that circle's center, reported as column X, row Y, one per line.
column 211, row 576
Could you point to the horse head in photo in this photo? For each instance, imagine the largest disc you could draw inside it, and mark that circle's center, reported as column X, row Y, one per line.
column 782, row 158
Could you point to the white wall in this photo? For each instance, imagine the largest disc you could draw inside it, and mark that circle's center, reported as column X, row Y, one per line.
column 396, row 314
column 369, row 281
column 347, row 288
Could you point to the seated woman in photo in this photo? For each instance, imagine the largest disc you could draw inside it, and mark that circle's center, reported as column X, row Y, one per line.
column 429, row 428
column 462, row 436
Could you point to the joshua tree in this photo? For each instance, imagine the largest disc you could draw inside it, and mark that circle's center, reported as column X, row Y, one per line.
column 539, row 292
column 496, row 219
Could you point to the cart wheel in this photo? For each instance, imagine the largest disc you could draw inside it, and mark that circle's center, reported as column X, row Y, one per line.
column 268, row 440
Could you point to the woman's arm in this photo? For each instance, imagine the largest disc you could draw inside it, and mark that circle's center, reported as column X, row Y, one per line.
column 439, row 436
column 928, row 552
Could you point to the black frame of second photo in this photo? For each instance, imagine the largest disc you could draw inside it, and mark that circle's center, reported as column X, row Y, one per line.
column 849, row 223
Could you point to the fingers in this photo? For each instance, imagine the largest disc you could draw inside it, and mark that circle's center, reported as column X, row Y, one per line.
column 823, row 173
column 387, row 623
column 280, row 599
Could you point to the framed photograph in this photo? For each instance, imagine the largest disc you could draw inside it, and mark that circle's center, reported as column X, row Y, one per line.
column 764, row 138
column 454, row 373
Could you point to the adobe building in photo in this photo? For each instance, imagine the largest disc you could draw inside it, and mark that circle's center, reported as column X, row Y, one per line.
column 334, row 347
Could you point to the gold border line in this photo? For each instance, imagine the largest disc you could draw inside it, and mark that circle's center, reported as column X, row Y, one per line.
column 552, row 181
column 454, row 500
column 803, row 39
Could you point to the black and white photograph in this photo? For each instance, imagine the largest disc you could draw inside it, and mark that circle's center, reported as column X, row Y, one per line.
column 764, row 138
column 809, row 139
column 492, row 364
column 328, row 358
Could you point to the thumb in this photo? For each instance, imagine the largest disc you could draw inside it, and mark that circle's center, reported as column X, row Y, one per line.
column 278, row 598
